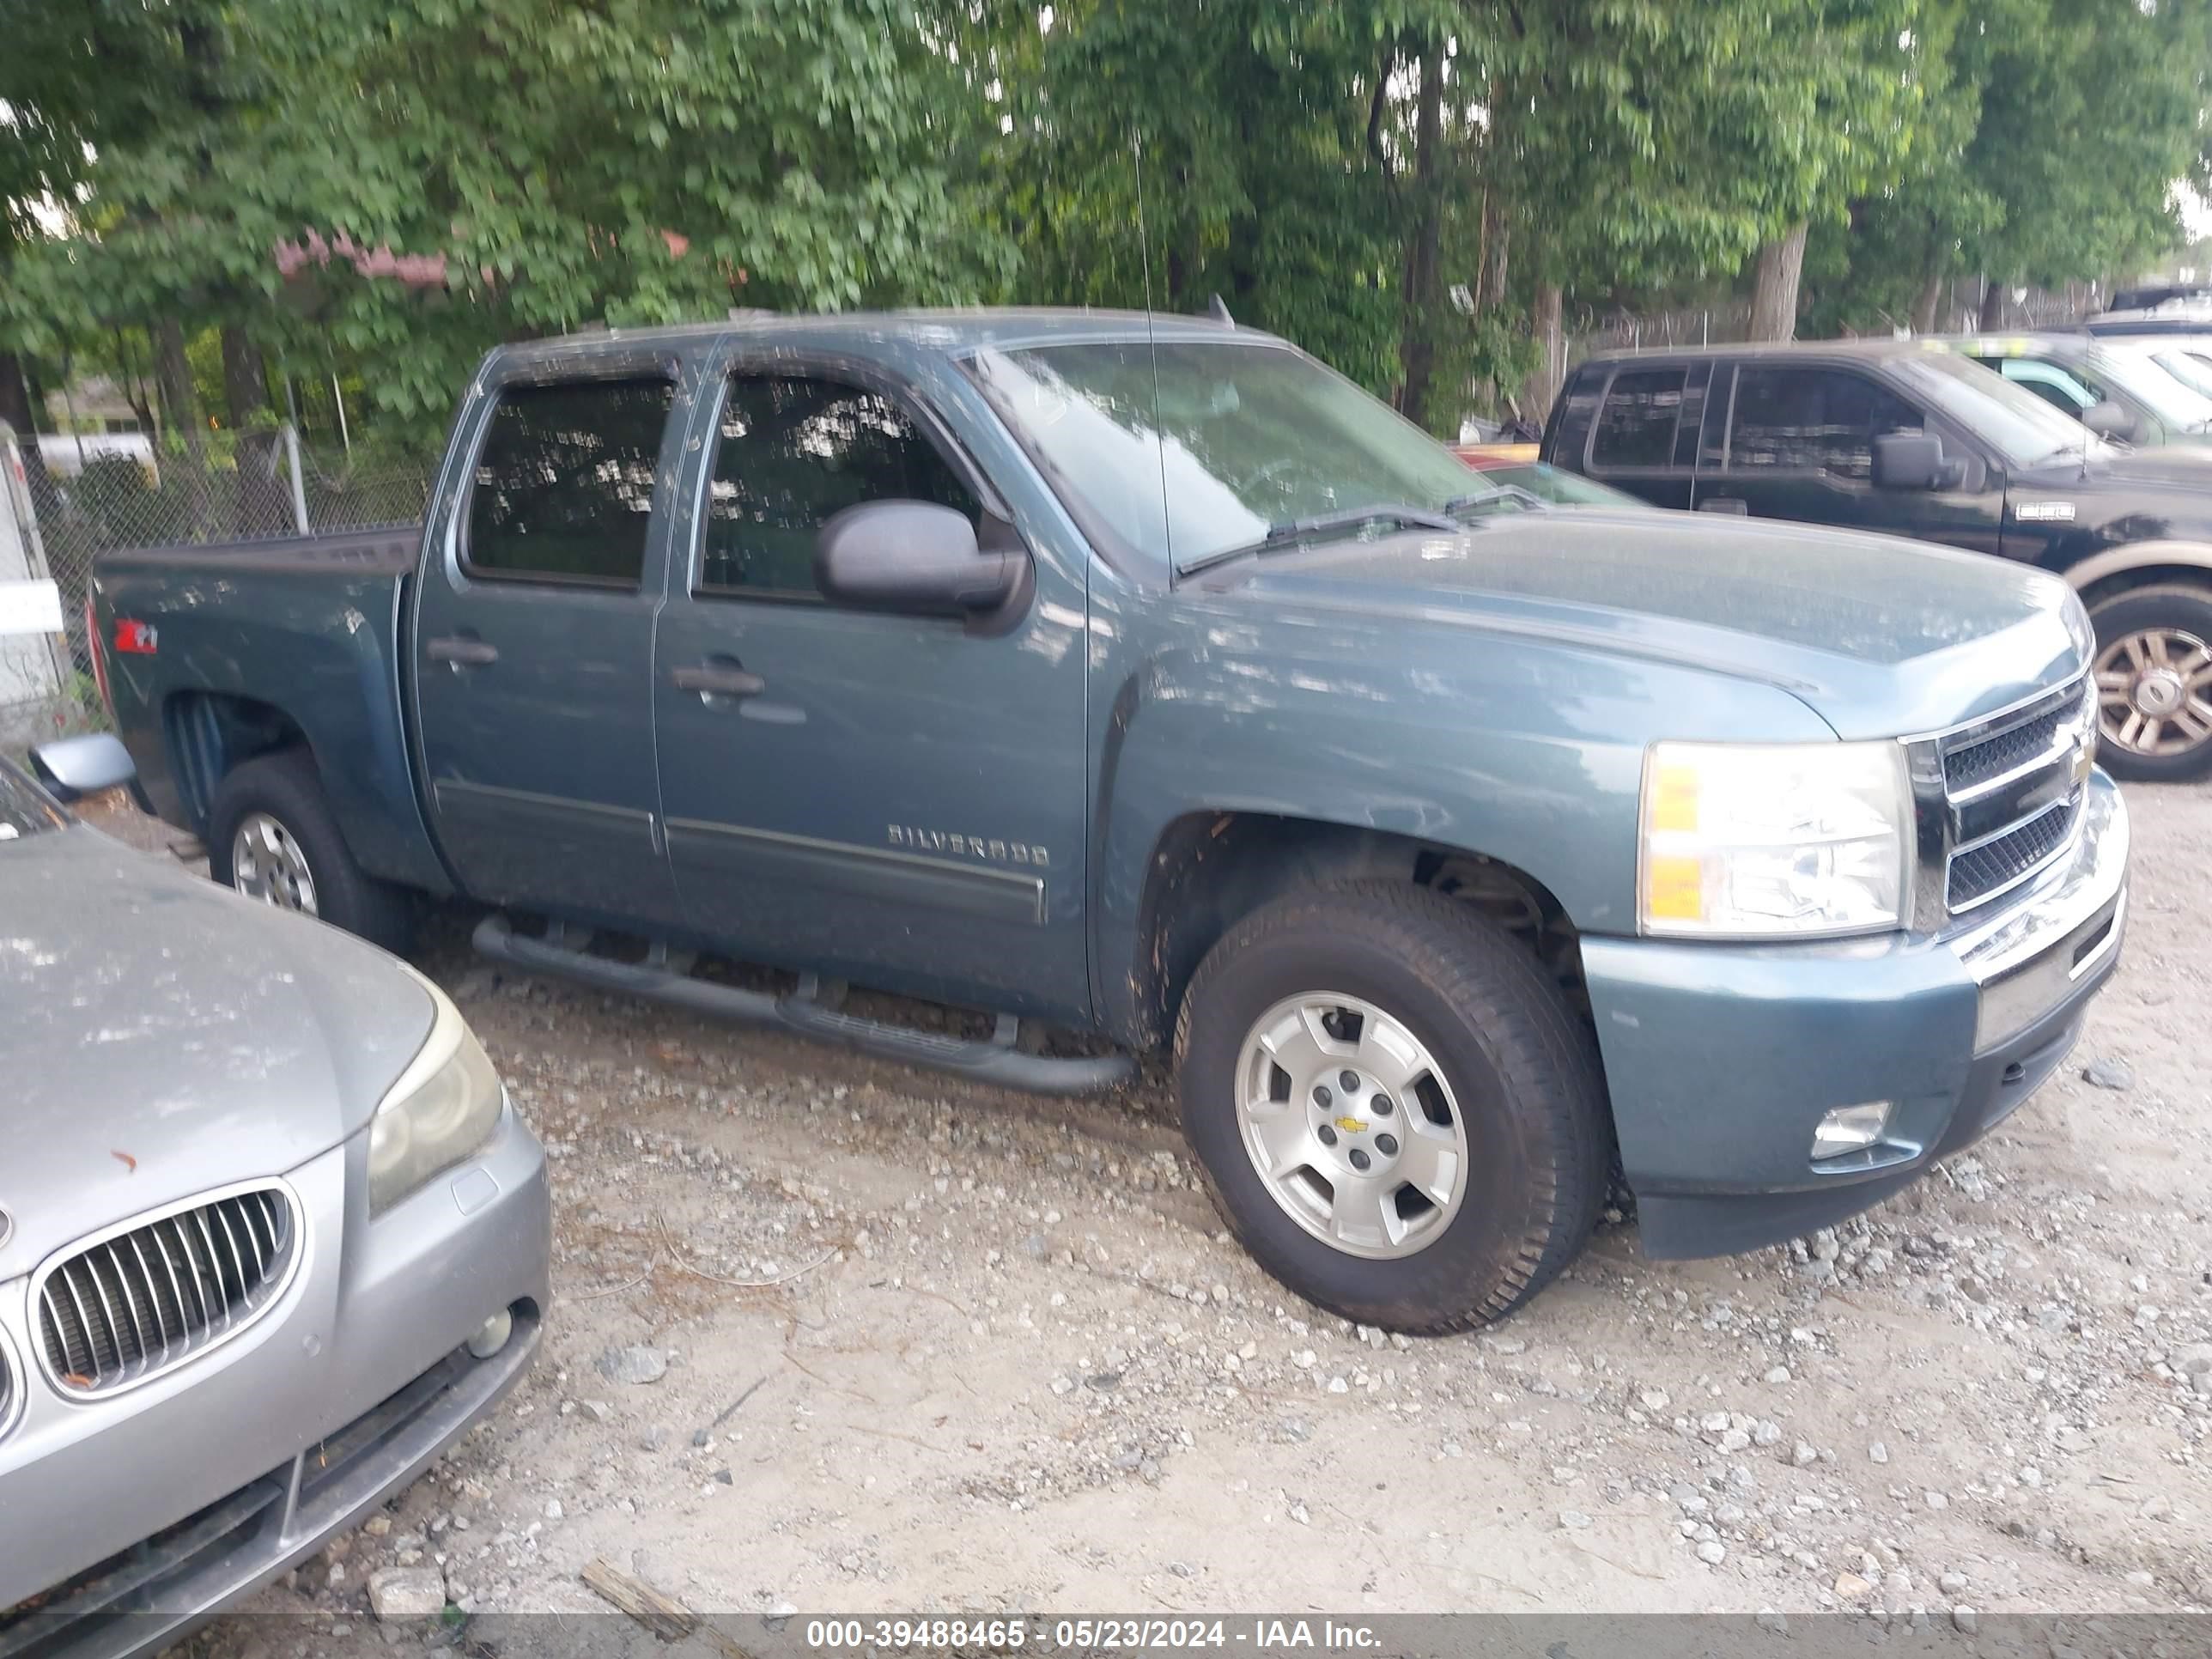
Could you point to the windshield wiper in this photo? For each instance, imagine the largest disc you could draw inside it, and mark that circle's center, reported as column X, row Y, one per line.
column 1292, row 530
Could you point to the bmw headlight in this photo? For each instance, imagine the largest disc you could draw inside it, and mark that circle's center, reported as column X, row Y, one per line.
column 444, row 1106
column 1774, row 841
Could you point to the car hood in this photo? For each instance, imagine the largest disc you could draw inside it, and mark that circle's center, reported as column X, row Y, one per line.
column 1881, row 637
column 163, row 1036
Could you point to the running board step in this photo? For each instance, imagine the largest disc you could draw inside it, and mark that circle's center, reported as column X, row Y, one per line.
column 996, row 1059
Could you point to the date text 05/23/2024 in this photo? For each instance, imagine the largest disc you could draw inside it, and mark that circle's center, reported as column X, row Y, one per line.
column 1255, row 1635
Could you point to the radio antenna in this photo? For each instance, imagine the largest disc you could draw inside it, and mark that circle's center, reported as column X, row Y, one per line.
column 1152, row 345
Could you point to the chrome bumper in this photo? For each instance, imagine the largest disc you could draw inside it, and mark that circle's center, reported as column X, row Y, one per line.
column 2026, row 960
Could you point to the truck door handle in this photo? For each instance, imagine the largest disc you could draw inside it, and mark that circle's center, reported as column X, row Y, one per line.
column 461, row 651
column 1734, row 504
column 719, row 680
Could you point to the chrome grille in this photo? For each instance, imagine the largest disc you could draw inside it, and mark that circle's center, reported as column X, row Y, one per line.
column 2013, row 791
column 8, row 1389
column 142, row 1297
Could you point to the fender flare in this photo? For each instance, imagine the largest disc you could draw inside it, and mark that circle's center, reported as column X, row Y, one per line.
column 2137, row 555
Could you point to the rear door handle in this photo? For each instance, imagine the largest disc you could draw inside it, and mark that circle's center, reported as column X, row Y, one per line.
column 461, row 651
column 714, row 679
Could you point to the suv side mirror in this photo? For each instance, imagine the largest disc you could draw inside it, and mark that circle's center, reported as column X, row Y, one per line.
column 73, row 768
column 912, row 557
column 1914, row 460
column 2109, row 420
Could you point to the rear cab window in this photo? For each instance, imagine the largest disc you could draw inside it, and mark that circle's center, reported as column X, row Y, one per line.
column 792, row 451
column 1636, row 423
column 563, row 487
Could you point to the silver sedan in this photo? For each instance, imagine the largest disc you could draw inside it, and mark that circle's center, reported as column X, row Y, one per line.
column 271, row 1236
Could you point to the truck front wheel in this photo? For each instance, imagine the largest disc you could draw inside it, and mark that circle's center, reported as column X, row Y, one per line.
column 1398, row 1114
column 271, row 835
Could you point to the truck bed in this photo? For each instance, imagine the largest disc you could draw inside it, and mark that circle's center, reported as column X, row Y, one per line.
column 240, row 647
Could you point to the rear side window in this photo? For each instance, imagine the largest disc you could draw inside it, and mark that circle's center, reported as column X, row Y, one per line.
column 563, row 489
column 1636, row 428
column 792, row 452
column 1812, row 419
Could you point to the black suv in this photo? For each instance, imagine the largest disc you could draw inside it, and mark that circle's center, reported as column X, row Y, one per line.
column 1913, row 439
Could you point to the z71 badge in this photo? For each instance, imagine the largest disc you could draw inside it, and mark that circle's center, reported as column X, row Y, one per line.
column 2044, row 513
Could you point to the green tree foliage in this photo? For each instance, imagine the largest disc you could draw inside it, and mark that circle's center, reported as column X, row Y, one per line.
column 414, row 180
column 2057, row 139
column 1410, row 188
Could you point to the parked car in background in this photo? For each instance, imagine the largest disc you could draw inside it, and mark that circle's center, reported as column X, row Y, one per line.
column 2115, row 388
column 1141, row 678
column 2181, row 311
column 1906, row 439
column 270, row 1236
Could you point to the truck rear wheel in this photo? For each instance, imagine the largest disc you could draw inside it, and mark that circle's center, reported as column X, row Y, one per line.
column 2153, row 672
column 1398, row 1114
column 271, row 836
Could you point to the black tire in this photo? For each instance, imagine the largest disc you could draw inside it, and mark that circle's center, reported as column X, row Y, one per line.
column 1522, row 1066
column 286, row 787
column 2176, row 607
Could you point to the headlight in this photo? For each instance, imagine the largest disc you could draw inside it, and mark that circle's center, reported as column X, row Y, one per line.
column 1765, row 841
column 443, row 1107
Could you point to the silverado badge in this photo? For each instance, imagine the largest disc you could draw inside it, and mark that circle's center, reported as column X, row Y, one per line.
column 2044, row 513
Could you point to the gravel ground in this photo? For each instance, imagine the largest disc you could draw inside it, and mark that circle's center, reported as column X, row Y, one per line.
column 839, row 1336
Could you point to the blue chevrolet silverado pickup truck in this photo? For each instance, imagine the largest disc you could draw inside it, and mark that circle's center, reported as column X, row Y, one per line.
column 1140, row 685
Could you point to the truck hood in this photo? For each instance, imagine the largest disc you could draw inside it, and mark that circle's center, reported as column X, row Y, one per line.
column 163, row 1036
column 1880, row 637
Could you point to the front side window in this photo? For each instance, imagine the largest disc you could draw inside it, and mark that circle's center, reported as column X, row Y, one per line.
column 792, row 452
column 2047, row 381
column 563, row 487
column 1808, row 419
column 1636, row 428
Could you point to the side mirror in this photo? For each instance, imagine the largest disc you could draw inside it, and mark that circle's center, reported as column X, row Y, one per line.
column 912, row 557
column 1914, row 460
column 73, row 768
column 2108, row 420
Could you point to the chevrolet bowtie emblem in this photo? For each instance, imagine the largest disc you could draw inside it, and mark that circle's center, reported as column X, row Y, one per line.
column 1351, row 1125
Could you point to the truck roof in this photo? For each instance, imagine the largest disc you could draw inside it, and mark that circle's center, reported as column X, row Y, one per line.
column 950, row 331
column 1864, row 350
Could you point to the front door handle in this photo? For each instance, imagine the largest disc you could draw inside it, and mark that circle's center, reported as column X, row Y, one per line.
column 1734, row 504
column 719, row 680
column 461, row 651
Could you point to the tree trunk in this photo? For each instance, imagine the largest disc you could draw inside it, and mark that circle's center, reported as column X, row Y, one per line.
column 1774, row 287
column 172, row 382
column 1417, row 348
column 264, row 502
column 1545, row 317
column 19, row 410
column 1928, row 310
column 1497, row 242
column 1993, row 305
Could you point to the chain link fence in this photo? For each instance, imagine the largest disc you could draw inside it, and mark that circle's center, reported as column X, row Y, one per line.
column 59, row 519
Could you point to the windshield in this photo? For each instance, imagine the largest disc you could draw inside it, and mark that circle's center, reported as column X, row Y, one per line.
column 24, row 810
column 2011, row 420
column 2187, row 367
column 2141, row 378
column 1250, row 437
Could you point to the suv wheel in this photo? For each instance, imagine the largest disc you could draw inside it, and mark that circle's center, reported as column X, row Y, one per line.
column 271, row 835
column 2155, row 683
column 1400, row 1116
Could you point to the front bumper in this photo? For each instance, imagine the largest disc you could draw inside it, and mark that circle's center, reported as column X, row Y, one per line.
column 1721, row 1059
column 126, row 1520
